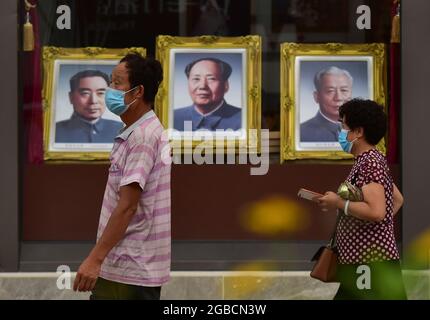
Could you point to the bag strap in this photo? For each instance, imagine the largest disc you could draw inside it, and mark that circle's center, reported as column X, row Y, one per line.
column 332, row 242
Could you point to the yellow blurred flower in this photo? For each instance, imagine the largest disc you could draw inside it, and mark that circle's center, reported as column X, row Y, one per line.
column 274, row 215
column 419, row 251
column 247, row 281
column 256, row 266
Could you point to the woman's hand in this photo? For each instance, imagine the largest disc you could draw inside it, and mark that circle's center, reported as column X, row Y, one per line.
column 330, row 201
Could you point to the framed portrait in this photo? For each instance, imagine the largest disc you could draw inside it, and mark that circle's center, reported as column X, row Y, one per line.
column 77, row 124
column 315, row 80
column 211, row 90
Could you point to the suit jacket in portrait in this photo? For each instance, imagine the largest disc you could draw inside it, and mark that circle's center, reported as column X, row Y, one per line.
column 226, row 117
column 76, row 130
column 319, row 129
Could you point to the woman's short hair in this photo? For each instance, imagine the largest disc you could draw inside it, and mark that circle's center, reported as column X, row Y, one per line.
column 366, row 114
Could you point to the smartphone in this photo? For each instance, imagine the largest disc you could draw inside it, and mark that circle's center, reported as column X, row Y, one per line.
column 309, row 195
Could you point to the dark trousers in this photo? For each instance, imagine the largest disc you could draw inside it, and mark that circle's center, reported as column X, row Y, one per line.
column 386, row 282
column 111, row 290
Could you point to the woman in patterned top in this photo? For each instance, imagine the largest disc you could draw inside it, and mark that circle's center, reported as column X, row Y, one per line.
column 369, row 266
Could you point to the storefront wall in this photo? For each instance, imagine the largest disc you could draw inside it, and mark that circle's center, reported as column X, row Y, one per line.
column 36, row 233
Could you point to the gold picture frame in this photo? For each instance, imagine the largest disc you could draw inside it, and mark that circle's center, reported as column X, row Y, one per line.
column 62, row 139
column 365, row 63
column 243, row 54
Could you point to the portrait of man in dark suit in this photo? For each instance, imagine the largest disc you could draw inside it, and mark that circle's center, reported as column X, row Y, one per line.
column 333, row 87
column 86, row 125
column 208, row 82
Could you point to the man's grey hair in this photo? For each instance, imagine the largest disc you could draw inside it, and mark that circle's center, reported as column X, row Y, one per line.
column 330, row 70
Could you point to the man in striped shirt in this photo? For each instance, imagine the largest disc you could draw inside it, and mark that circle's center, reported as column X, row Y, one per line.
column 131, row 259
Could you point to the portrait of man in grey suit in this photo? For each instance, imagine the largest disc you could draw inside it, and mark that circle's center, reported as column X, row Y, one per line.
column 333, row 87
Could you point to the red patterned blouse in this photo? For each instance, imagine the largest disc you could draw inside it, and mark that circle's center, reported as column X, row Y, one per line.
column 360, row 241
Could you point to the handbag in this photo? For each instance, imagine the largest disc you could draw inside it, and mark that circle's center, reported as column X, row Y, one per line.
column 326, row 257
column 326, row 265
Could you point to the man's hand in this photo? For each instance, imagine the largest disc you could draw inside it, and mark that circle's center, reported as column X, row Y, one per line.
column 87, row 275
column 330, row 200
column 89, row 270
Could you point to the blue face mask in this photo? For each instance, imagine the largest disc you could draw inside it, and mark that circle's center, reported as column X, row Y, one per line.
column 115, row 100
column 343, row 140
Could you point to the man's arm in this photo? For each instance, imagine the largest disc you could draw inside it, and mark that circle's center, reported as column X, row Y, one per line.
column 115, row 229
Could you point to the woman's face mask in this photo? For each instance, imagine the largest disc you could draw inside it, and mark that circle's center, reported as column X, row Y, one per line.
column 114, row 100
column 343, row 140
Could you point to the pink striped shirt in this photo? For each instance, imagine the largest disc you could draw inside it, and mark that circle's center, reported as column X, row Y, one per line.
column 140, row 154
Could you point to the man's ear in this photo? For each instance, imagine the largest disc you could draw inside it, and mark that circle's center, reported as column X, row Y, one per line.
column 226, row 86
column 316, row 97
column 140, row 92
column 70, row 97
